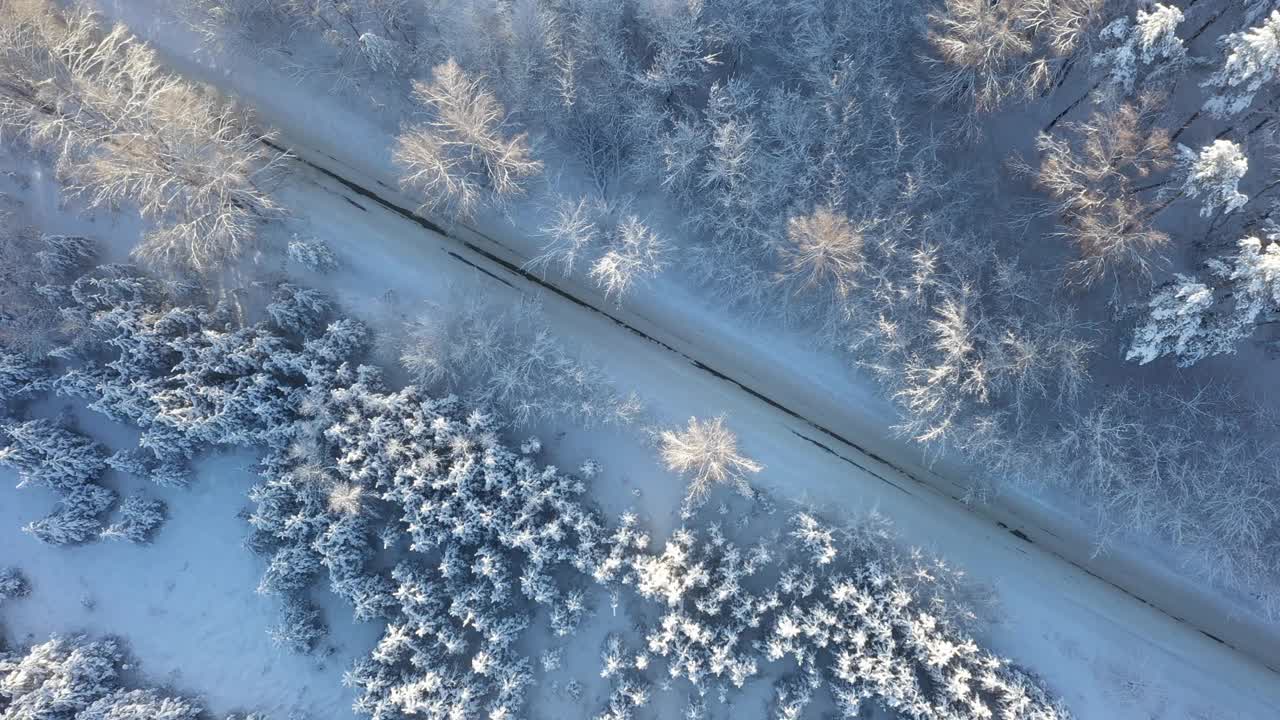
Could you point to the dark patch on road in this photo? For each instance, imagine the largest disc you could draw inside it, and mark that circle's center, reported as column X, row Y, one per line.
column 467, row 262
column 1016, row 533
column 1213, row 637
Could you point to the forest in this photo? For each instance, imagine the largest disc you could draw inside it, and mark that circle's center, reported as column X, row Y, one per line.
column 640, row 358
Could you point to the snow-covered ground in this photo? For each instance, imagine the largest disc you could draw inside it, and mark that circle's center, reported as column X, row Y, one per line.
column 185, row 605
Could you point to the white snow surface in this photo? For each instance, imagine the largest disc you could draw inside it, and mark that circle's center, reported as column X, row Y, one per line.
column 187, row 607
column 184, row 605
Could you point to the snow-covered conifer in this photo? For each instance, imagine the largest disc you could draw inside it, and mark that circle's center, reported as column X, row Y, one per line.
column 313, row 255
column 1147, row 48
column 381, row 53
column 300, row 626
column 297, row 310
column 19, row 377
column 75, row 520
column 132, row 462
column 1189, row 319
column 45, row 454
column 1214, row 172
column 63, row 255
column 13, row 585
column 290, row 570
column 1252, row 60
column 68, row 678
column 1175, row 322
column 59, row 678
column 170, row 474
column 139, row 519
column 140, row 705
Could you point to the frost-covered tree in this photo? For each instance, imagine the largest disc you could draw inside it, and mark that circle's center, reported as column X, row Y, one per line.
column 45, row 454
column 463, row 154
column 140, row 517
column 300, row 627
column 706, row 452
column 1252, row 61
column 680, row 56
column 125, row 130
column 13, row 585
column 1214, row 172
column 634, row 253
column 1143, row 51
column 313, row 255
column 1190, row 320
column 58, row 679
column 823, row 250
column 1091, row 170
column 992, row 51
column 506, row 359
column 619, row 249
column 140, row 705
column 573, row 235
column 75, row 678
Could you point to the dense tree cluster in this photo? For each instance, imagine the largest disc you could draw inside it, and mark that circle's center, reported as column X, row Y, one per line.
column 45, row 454
column 421, row 517
column 839, row 608
column 75, row 678
column 122, row 129
column 31, row 262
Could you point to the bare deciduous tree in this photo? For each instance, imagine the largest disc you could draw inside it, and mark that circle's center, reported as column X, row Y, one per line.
column 506, row 359
column 635, row 252
column 463, row 152
column 1091, row 173
column 994, row 50
column 124, row 130
column 707, row 453
column 823, row 250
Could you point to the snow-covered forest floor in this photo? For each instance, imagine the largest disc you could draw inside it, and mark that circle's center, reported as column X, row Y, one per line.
column 1116, row 634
